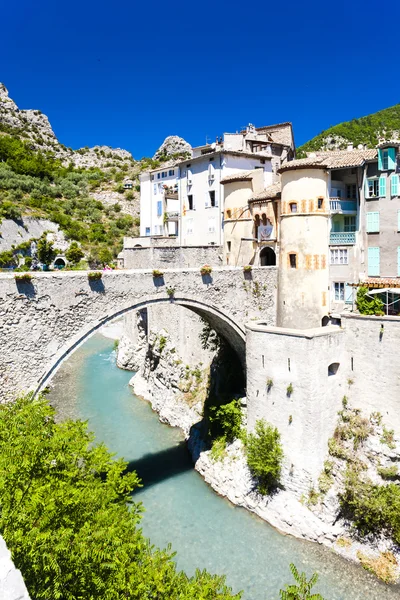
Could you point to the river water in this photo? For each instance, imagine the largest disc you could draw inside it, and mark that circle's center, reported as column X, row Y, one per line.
column 204, row 529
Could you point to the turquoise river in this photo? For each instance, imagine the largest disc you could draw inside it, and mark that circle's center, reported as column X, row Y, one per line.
column 205, row 530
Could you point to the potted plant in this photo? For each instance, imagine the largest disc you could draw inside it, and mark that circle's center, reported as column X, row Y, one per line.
column 23, row 278
column 95, row 275
column 206, row 270
column 157, row 273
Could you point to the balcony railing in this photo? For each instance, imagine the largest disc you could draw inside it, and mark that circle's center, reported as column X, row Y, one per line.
column 172, row 214
column 337, row 205
column 342, row 238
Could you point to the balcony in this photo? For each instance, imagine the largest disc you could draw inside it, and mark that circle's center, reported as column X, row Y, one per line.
column 342, row 207
column 343, row 238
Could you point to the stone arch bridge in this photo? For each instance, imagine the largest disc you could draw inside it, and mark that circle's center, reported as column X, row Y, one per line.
column 43, row 321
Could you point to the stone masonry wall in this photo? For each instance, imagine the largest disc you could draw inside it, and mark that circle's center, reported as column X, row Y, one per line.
column 172, row 257
column 42, row 321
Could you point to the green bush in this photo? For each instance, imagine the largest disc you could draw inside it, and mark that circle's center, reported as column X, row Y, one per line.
column 69, row 520
column 373, row 508
column 264, row 455
column 7, row 259
column 368, row 305
column 226, row 421
column 74, row 253
column 301, row 590
column 45, row 251
column 94, row 275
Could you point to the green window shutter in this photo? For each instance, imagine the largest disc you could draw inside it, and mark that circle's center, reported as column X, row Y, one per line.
column 382, row 186
column 380, row 159
column 391, row 158
column 348, row 293
column 372, row 222
column 373, row 261
column 394, row 185
column 398, row 261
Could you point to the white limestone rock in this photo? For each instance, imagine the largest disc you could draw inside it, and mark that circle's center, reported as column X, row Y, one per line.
column 173, row 144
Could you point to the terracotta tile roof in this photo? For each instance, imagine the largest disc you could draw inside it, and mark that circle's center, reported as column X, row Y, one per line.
column 239, row 176
column 379, row 282
column 339, row 159
column 273, row 191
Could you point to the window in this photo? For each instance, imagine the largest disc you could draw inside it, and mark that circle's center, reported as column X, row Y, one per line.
column 339, row 256
column 372, row 222
column 171, row 172
column 190, row 202
column 152, row 177
column 382, row 186
column 385, row 159
column 211, row 225
column 147, row 231
column 351, row 191
column 159, row 208
column 320, row 203
column 373, row 261
column 158, row 175
column 349, row 224
column 333, row 369
column 394, row 185
column 229, row 244
column 338, row 288
column 293, row 207
column 210, row 173
column 293, row 261
column 256, row 148
column 262, row 162
column 212, row 198
column 189, row 177
column 189, row 226
column 163, row 174
column 372, row 190
column 154, row 188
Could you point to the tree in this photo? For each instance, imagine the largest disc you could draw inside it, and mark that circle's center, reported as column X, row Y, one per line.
column 69, row 520
column 45, row 251
column 264, row 455
column 368, row 305
column 74, row 253
column 301, row 591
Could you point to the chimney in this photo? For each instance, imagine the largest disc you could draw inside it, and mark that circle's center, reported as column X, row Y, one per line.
column 350, row 146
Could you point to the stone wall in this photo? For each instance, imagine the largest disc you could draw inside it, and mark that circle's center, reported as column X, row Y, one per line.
column 172, row 257
column 12, row 586
column 305, row 417
column 42, row 321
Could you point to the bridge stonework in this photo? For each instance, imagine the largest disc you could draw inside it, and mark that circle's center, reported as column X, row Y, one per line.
column 41, row 322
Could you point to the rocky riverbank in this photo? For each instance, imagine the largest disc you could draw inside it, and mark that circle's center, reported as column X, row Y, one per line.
column 305, row 513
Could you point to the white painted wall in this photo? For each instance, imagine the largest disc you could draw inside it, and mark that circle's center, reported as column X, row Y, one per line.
column 151, row 193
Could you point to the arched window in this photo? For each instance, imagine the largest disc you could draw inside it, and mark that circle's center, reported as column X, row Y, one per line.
column 293, row 207
column 267, row 257
column 333, row 368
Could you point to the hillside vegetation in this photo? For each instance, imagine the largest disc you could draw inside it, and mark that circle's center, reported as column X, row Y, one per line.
column 365, row 130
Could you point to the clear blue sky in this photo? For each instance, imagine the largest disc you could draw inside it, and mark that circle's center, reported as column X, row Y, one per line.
column 128, row 74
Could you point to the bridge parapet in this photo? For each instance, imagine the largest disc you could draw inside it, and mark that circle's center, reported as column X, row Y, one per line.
column 41, row 322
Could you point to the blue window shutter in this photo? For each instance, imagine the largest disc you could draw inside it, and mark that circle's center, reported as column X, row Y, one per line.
column 348, row 293
column 372, row 222
column 159, row 208
column 380, row 165
column 373, row 261
column 391, row 159
column 382, row 186
column 395, row 185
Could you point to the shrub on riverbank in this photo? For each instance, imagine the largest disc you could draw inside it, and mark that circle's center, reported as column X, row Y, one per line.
column 264, row 455
column 69, row 521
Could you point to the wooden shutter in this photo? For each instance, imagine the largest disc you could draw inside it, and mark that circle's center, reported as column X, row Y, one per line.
column 382, row 186
column 373, row 261
column 394, row 185
column 391, row 159
column 380, row 162
column 348, row 293
column 159, row 208
column 372, row 222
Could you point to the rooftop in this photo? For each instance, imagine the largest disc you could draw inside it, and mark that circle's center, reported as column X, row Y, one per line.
column 239, row 176
column 272, row 191
column 338, row 159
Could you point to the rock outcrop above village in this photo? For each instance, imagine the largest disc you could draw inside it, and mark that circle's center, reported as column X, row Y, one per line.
column 34, row 127
column 172, row 146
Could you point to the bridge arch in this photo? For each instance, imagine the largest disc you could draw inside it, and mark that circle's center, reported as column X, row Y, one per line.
column 224, row 324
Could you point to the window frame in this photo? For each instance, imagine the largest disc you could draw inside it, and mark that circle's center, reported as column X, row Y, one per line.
column 338, row 291
column 292, row 260
column 336, row 254
column 291, row 205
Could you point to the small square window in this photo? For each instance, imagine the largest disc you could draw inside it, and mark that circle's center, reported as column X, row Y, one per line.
column 293, row 207
column 147, row 231
column 293, row 261
column 320, row 203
